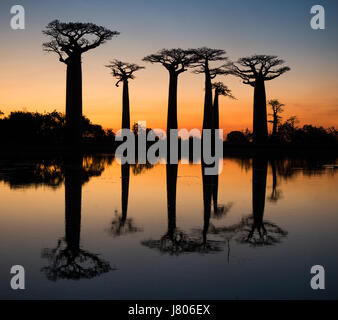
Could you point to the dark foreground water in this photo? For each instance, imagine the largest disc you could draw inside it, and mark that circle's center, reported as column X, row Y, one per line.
column 87, row 228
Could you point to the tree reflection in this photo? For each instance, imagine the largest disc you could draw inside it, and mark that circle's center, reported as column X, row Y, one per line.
column 122, row 225
column 68, row 260
column 276, row 194
column 48, row 171
column 253, row 229
column 176, row 241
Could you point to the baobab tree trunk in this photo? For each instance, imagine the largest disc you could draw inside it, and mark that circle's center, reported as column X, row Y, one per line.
column 207, row 117
column 172, row 108
column 172, row 102
column 74, row 101
column 260, row 125
column 73, row 195
column 125, row 106
column 216, row 112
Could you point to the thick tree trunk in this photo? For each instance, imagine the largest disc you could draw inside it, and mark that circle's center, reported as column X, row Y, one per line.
column 207, row 117
column 74, row 101
column 260, row 126
column 214, row 122
column 172, row 108
column 125, row 106
column 172, row 102
column 73, row 195
column 216, row 112
column 171, row 198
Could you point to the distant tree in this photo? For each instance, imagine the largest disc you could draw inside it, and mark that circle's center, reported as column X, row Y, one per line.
column 176, row 61
column 204, row 56
column 220, row 90
column 1, row 113
column 287, row 130
column 123, row 71
column 69, row 41
column 254, row 71
column 277, row 109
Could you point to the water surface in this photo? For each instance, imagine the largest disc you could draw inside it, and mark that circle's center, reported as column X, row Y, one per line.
column 89, row 228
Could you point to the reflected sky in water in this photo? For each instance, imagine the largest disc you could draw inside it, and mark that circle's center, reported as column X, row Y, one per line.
column 89, row 228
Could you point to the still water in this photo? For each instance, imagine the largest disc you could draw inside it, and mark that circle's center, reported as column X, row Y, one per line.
column 88, row 228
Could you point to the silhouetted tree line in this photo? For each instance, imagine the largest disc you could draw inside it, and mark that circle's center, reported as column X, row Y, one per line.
column 289, row 134
column 35, row 128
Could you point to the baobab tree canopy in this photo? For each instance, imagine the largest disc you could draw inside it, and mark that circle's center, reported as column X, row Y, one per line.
column 123, row 70
column 172, row 59
column 205, row 55
column 74, row 38
column 222, row 90
column 258, row 67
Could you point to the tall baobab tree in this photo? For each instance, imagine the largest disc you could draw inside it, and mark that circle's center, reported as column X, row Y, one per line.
column 123, row 72
column 220, row 90
column 69, row 41
column 203, row 57
column 176, row 61
column 277, row 109
column 254, row 71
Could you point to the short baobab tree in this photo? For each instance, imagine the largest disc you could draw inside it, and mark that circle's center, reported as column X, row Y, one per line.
column 220, row 90
column 176, row 61
column 69, row 41
column 123, row 71
column 277, row 109
column 204, row 56
column 254, row 71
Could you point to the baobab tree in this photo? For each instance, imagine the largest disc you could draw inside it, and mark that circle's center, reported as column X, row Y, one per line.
column 69, row 41
column 176, row 61
column 203, row 57
column 254, row 71
column 123, row 72
column 277, row 109
column 220, row 90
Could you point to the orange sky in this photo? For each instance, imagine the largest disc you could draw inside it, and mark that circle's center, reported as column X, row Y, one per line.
column 43, row 89
column 35, row 81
